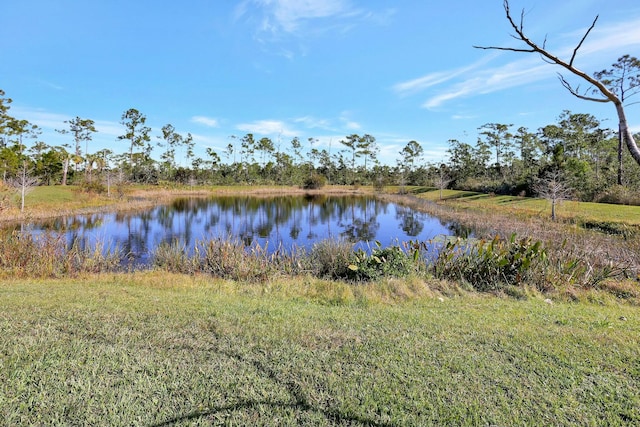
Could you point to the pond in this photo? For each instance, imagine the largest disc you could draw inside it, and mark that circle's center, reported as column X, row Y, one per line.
column 275, row 222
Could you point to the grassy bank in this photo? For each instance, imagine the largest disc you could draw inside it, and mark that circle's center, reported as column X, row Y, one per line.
column 567, row 211
column 156, row 350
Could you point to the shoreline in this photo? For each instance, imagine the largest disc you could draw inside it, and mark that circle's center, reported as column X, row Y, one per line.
column 146, row 198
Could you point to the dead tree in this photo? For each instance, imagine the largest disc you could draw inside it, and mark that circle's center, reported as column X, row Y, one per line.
column 442, row 180
column 23, row 183
column 553, row 187
column 607, row 94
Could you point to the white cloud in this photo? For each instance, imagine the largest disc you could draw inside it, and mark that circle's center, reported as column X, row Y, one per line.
column 491, row 80
column 106, row 127
column 267, row 127
column 351, row 125
column 312, row 122
column 42, row 118
column 207, row 121
column 50, row 85
column 436, row 78
column 290, row 13
column 276, row 19
column 462, row 117
column 215, row 142
column 619, row 36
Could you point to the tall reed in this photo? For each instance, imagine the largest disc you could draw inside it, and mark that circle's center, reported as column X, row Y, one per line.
column 49, row 255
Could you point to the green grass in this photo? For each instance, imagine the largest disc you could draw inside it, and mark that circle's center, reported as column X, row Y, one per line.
column 53, row 194
column 155, row 349
column 567, row 210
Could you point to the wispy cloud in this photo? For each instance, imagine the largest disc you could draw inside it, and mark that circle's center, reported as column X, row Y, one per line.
column 491, row 80
column 312, row 123
column 207, row 121
column 42, row 118
column 50, row 85
column 215, row 142
column 618, row 36
column 436, row 78
column 289, row 15
column 267, row 127
column 109, row 128
column 278, row 20
column 348, row 123
column 52, row 121
column 476, row 79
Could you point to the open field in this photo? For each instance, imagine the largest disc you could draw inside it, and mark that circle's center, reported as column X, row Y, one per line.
column 155, row 349
column 571, row 211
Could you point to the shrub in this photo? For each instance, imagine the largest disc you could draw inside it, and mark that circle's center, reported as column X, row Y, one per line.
column 330, row 258
column 173, row 257
column 93, row 186
column 391, row 261
column 492, row 265
column 47, row 255
column 314, row 182
column 619, row 195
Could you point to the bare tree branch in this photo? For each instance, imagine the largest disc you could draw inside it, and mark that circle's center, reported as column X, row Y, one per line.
column 512, row 49
column 575, row 51
column 575, row 92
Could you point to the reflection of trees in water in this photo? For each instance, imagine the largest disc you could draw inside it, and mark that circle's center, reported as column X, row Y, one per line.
column 410, row 220
column 279, row 219
column 359, row 221
column 459, row 230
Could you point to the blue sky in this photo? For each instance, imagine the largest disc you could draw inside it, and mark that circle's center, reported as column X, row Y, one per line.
column 398, row 70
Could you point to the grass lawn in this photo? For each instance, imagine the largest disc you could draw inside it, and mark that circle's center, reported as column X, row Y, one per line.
column 155, row 349
column 567, row 210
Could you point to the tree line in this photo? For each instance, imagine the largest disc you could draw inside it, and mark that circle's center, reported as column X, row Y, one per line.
column 504, row 159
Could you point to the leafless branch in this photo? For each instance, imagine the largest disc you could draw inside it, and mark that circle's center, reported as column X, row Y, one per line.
column 548, row 57
column 512, row 49
column 574, row 91
column 575, row 51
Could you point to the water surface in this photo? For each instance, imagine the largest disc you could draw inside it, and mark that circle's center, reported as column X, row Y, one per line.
column 286, row 222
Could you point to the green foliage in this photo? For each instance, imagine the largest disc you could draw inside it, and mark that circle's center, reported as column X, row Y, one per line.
column 225, row 259
column 391, row 261
column 173, row 257
column 620, row 195
column 492, row 265
column 314, row 182
column 93, row 186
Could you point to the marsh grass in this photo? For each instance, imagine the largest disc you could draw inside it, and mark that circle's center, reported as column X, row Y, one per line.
column 509, row 266
column 229, row 258
column 48, row 255
column 158, row 349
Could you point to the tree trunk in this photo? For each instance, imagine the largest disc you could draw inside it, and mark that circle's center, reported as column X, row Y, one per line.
column 626, row 134
column 23, row 190
column 65, row 171
column 619, row 156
